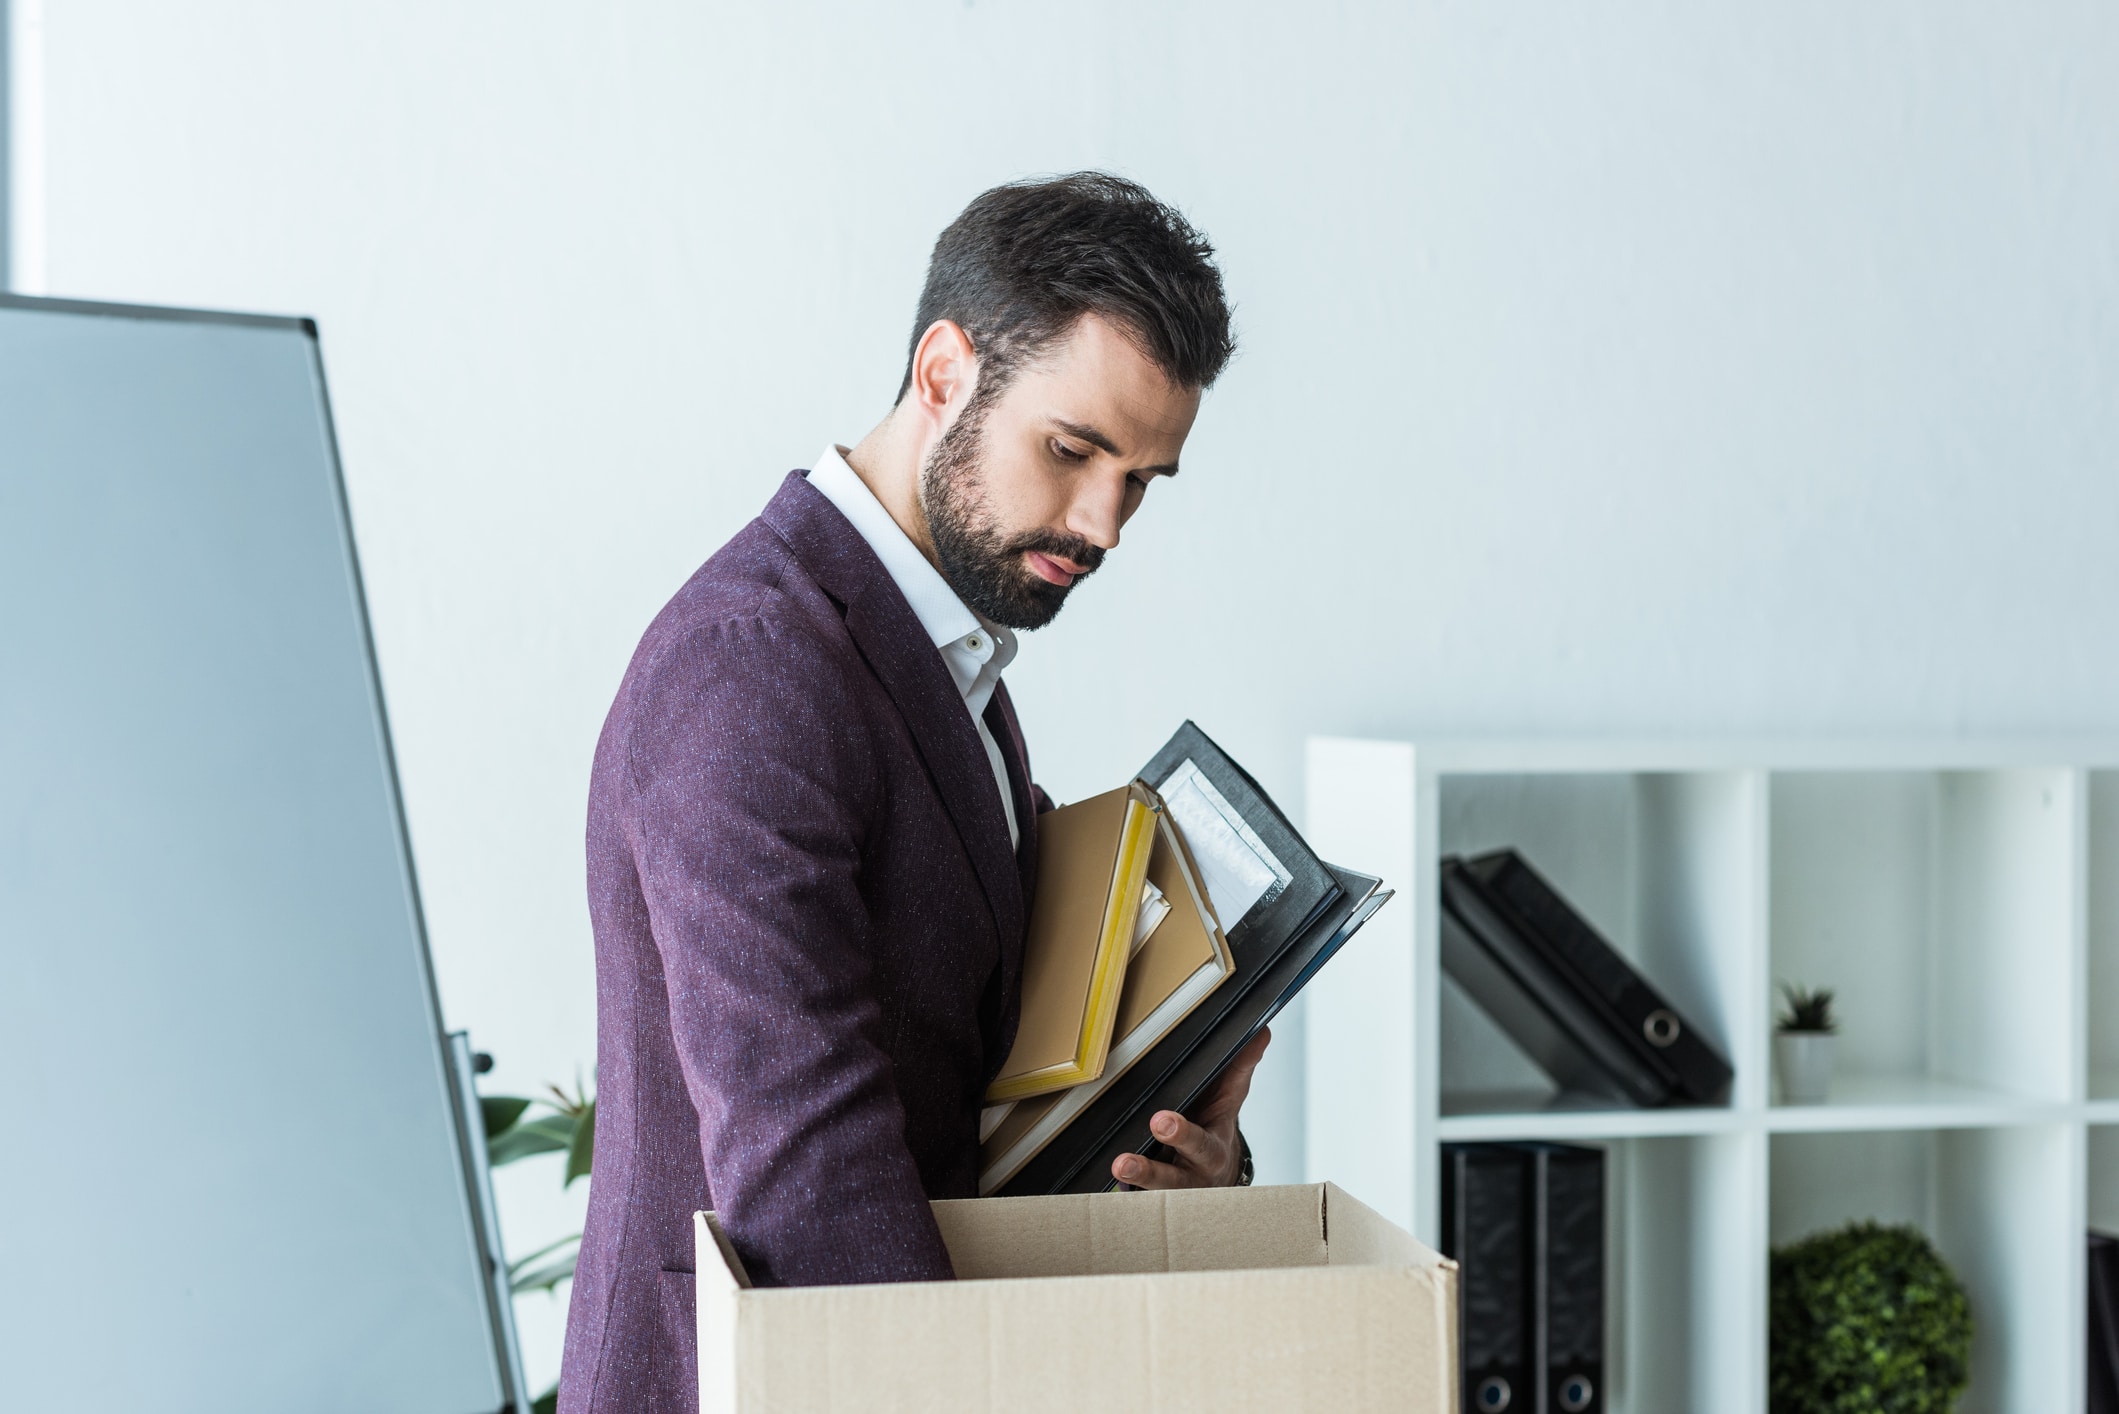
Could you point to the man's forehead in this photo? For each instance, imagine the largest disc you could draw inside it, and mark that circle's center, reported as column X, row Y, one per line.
column 1096, row 380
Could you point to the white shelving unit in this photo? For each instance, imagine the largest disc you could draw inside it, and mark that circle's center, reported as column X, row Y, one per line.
column 1962, row 899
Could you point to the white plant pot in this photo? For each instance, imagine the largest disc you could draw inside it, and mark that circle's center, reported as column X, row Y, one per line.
column 1804, row 1060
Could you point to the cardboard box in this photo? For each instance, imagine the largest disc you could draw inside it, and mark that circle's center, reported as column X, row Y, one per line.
column 1226, row 1300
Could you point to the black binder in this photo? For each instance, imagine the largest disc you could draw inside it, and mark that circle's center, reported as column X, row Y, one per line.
column 1534, row 1002
column 1359, row 898
column 1567, row 996
column 1567, row 1298
column 1275, row 919
column 1525, row 1223
column 1277, row 946
column 1487, row 1222
column 2104, row 1324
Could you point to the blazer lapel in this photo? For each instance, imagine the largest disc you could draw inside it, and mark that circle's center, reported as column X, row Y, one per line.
column 1001, row 721
column 911, row 670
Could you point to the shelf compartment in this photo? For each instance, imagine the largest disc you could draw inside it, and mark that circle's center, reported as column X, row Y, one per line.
column 1997, row 1203
column 2104, row 1178
column 1938, row 906
column 2103, row 935
column 1662, row 863
column 1686, row 1276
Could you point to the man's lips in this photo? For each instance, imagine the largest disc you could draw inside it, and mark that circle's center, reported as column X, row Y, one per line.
column 1053, row 569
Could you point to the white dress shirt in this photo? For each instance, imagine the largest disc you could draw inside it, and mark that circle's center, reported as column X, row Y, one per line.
column 974, row 651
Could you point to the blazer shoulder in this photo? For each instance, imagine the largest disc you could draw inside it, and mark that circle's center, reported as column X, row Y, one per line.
column 751, row 643
column 751, row 585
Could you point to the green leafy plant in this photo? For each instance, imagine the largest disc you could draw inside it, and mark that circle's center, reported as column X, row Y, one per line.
column 1807, row 1011
column 514, row 1133
column 1867, row 1319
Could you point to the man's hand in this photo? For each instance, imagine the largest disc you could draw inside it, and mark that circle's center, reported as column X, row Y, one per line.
column 1208, row 1154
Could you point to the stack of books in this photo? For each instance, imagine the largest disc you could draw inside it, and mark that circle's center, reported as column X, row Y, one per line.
column 1174, row 917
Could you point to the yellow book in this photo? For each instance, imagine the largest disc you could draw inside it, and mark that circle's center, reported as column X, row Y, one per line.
column 1176, row 963
column 1092, row 863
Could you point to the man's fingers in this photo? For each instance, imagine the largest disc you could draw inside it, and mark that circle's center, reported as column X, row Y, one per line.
column 1200, row 1156
column 1147, row 1173
column 1234, row 1086
column 1197, row 1147
column 1246, row 1064
column 1203, row 1155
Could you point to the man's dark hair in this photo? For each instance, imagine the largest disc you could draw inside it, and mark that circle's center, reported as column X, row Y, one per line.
column 1028, row 259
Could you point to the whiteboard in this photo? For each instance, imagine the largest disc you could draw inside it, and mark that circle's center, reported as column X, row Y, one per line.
column 232, row 1178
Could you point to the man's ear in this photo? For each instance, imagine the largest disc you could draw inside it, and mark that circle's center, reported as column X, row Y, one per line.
column 945, row 369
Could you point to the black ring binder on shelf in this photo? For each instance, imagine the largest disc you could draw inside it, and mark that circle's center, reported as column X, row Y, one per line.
column 2104, row 1324
column 1567, row 996
column 1525, row 1223
column 1486, row 1223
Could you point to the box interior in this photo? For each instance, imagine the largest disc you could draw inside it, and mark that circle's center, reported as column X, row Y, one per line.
column 1120, row 1234
column 1197, row 1230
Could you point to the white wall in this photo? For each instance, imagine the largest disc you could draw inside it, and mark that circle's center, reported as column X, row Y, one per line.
column 1628, row 368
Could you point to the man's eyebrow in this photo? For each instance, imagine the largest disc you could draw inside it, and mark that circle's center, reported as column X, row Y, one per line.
column 1098, row 440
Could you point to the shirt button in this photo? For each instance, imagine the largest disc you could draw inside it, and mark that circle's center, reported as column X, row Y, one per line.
column 974, row 643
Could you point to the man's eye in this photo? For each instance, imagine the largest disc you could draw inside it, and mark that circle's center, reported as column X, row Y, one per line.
column 1138, row 482
column 1066, row 453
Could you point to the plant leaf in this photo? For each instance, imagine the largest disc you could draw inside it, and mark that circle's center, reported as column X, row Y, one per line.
column 533, row 1273
column 583, row 1146
column 572, row 1104
column 546, row 1134
column 515, row 1267
column 499, row 1112
column 546, row 1403
column 543, row 1278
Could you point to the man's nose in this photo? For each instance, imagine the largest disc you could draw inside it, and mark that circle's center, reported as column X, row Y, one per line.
column 1098, row 512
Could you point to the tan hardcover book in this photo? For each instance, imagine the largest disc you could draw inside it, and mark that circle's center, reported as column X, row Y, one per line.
column 1092, row 860
column 1175, row 968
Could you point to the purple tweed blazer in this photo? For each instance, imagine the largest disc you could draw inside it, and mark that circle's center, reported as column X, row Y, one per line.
column 809, row 933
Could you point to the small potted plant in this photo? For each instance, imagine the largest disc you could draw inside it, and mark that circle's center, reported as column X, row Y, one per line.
column 1802, row 1047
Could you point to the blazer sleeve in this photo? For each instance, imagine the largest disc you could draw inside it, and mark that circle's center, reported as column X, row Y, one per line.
column 749, row 789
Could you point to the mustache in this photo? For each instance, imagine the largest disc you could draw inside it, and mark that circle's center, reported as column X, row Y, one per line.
column 1062, row 547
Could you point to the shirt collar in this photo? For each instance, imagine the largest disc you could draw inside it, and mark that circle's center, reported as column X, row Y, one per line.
column 944, row 616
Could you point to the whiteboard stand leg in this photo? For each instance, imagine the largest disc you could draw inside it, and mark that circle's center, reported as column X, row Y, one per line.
column 471, row 1137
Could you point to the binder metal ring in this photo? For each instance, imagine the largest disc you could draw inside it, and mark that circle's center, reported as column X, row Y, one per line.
column 1661, row 1027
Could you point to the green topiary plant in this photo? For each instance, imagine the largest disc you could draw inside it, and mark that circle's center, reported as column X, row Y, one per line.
column 1867, row 1320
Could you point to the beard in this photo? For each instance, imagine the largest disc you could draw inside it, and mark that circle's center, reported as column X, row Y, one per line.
column 982, row 563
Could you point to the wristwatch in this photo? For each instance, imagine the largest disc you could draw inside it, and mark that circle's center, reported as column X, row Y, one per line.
column 1244, row 1172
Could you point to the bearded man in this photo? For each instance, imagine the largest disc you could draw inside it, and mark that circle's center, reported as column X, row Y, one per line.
column 812, row 835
